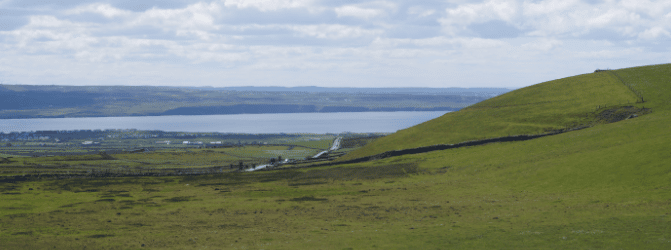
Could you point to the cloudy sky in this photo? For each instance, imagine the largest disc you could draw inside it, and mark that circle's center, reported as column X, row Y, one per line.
column 337, row 43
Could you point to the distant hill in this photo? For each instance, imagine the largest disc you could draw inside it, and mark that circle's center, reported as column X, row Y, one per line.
column 314, row 89
column 28, row 101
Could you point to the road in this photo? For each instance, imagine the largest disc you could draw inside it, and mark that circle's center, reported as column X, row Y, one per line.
column 335, row 146
column 320, row 154
column 257, row 168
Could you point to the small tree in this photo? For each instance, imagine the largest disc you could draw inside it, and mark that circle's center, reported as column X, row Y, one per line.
column 9, row 144
column 272, row 160
column 240, row 166
column 279, row 158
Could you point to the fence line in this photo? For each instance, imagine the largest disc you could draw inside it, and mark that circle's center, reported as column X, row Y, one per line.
column 630, row 86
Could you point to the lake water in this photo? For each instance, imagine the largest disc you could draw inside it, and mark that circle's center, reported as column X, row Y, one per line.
column 357, row 122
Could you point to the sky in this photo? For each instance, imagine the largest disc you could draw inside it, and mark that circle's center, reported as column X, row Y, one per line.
column 337, row 43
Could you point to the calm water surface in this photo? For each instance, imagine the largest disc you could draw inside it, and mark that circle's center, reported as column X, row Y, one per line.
column 358, row 122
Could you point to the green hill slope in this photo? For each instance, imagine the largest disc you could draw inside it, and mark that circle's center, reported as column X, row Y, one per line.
column 603, row 187
column 553, row 105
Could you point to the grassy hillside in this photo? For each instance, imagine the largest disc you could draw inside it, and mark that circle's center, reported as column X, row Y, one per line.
column 540, row 108
column 653, row 82
column 603, row 187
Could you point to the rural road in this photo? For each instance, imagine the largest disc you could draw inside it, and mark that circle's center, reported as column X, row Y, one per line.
column 256, row 168
column 335, row 146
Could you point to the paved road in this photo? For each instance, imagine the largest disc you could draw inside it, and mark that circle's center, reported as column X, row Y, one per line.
column 320, row 154
column 257, row 168
column 335, row 146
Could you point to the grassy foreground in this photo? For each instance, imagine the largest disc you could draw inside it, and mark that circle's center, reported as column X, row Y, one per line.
column 603, row 187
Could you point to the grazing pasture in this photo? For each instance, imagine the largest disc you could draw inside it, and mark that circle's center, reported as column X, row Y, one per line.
column 396, row 203
column 555, row 105
column 605, row 186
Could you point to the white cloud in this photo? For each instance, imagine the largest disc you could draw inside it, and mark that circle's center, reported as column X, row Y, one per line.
column 608, row 53
column 542, row 44
column 572, row 18
column 366, row 10
column 98, row 8
column 460, row 42
column 479, row 43
column 196, row 16
column 322, row 31
column 358, row 12
column 46, row 22
column 420, row 11
column 551, row 7
column 336, row 31
column 457, row 18
column 653, row 33
column 59, row 34
column 610, row 17
column 269, row 5
column 647, row 7
column 380, row 43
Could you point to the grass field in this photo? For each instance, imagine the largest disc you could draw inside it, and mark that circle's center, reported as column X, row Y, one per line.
column 8, row 155
column 553, row 105
column 603, row 187
column 35, row 147
column 320, row 144
column 153, row 161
